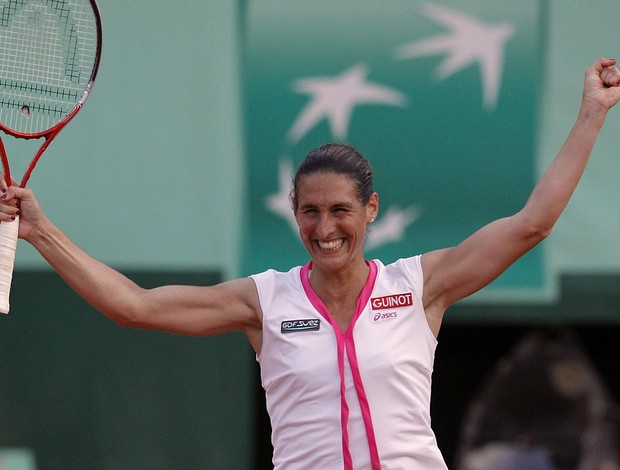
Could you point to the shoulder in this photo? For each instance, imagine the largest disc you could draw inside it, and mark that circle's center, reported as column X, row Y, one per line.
column 272, row 278
column 402, row 272
column 240, row 291
column 410, row 267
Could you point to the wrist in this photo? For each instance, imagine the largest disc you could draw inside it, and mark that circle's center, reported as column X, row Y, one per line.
column 592, row 113
column 39, row 232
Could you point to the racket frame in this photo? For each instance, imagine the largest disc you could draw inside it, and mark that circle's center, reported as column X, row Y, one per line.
column 52, row 132
column 9, row 230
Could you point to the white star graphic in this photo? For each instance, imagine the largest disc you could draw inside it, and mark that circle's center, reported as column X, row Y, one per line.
column 391, row 227
column 279, row 203
column 469, row 41
column 335, row 97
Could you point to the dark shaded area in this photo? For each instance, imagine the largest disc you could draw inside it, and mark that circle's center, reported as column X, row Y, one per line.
column 83, row 393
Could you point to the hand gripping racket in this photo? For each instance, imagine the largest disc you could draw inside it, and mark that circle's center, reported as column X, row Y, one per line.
column 49, row 56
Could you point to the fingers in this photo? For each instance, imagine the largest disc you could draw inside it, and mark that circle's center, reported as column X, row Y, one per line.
column 610, row 76
column 602, row 84
column 603, row 62
column 605, row 69
column 9, row 204
column 9, row 195
column 3, row 185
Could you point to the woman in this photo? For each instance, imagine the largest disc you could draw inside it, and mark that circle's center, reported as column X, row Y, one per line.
column 345, row 345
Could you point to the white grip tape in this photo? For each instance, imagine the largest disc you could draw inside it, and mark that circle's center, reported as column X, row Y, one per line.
column 8, row 245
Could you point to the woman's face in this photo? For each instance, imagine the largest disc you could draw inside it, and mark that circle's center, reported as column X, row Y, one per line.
column 332, row 221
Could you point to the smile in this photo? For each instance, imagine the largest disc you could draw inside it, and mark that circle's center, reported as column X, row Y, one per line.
column 331, row 245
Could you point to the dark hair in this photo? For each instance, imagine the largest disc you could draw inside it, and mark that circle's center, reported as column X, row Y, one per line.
column 336, row 158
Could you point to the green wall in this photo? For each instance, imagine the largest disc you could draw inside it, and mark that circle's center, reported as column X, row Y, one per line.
column 149, row 173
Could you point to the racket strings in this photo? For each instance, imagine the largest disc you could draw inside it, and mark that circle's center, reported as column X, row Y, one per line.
column 47, row 54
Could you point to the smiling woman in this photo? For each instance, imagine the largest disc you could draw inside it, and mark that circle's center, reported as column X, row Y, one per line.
column 333, row 202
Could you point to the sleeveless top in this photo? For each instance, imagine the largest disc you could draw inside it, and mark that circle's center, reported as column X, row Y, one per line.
column 358, row 399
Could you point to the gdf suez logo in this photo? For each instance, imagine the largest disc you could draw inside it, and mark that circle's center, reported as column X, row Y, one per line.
column 292, row 326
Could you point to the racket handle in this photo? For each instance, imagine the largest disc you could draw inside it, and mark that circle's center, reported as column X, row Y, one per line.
column 8, row 245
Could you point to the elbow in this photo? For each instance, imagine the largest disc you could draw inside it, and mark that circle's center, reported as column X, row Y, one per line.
column 536, row 233
column 534, row 229
column 542, row 234
column 130, row 315
column 125, row 320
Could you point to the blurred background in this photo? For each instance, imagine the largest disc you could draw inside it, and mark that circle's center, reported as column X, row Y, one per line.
column 177, row 171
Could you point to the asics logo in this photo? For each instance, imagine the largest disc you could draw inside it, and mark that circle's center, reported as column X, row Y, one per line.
column 384, row 316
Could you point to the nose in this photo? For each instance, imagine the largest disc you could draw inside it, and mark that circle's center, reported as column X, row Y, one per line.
column 325, row 226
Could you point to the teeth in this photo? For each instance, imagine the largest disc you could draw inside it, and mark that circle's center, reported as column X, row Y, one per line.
column 331, row 246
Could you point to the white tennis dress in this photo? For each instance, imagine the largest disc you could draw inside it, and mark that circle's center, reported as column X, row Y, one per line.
column 358, row 399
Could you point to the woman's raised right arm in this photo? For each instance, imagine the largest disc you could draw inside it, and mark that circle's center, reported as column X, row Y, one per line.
column 191, row 310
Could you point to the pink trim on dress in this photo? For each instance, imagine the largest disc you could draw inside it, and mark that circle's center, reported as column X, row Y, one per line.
column 346, row 341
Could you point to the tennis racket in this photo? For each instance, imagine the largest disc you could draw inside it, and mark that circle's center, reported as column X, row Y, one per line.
column 49, row 56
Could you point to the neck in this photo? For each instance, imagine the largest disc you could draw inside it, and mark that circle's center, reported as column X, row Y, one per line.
column 339, row 286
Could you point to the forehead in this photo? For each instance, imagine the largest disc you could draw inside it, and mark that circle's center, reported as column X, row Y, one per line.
column 322, row 187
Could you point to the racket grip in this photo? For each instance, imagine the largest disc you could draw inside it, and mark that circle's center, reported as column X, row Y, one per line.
column 8, row 245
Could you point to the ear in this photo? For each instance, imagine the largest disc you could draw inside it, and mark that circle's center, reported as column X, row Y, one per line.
column 372, row 208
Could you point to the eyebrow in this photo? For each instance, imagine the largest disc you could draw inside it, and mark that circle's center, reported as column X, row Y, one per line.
column 343, row 204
